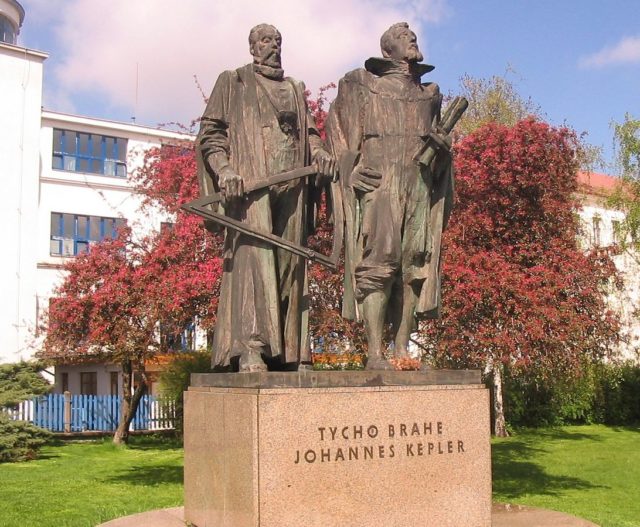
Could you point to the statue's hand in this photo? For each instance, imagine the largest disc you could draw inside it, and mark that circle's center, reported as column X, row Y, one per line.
column 365, row 179
column 326, row 165
column 231, row 184
column 444, row 143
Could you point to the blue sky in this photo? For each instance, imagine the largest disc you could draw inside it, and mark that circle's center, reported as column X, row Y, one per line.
column 578, row 60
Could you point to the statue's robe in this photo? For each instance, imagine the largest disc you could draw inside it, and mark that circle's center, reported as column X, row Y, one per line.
column 380, row 120
column 263, row 292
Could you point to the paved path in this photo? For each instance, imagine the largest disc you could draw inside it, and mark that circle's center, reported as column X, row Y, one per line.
column 503, row 516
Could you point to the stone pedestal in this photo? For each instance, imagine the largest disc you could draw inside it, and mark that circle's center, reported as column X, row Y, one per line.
column 354, row 449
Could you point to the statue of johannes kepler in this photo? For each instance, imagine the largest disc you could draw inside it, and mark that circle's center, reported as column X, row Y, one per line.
column 256, row 125
column 396, row 199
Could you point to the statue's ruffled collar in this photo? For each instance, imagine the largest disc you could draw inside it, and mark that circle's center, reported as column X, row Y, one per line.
column 384, row 66
column 270, row 72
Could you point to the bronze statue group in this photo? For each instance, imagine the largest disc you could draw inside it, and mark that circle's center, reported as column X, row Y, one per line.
column 394, row 201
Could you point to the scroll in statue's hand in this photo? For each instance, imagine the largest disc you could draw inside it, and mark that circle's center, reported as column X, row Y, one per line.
column 231, row 184
column 365, row 179
column 443, row 142
column 326, row 166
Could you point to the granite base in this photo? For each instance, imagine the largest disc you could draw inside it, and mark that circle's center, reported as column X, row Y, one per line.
column 383, row 448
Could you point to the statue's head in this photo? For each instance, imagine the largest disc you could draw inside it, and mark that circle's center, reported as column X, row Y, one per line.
column 400, row 43
column 265, row 44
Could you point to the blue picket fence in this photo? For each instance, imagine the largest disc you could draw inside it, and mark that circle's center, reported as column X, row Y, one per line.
column 93, row 413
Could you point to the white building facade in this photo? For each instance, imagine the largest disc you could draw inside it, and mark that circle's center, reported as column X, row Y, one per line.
column 65, row 187
column 600, row 229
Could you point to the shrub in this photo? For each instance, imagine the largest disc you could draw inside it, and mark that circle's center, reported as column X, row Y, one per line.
column 175, row 379
column 20, row 441
column 337, row 361
column 20, row 381
column 603, row 393
column 617, row 397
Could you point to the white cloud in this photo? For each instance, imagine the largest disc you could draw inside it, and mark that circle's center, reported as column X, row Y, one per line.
column 101, row 43
column 625, row 51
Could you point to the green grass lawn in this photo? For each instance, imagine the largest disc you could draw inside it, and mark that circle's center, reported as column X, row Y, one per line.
column 590, row 471
column 83, row 483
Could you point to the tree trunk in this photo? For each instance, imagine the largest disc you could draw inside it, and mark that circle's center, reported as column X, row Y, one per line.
column 499, row 423
column 129, row 402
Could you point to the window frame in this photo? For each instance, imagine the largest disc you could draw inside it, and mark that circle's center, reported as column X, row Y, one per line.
column 64, row 381
column 114, row 382
column 69, row 153
column 92, row 382
column 82, row 241
column 7, row 23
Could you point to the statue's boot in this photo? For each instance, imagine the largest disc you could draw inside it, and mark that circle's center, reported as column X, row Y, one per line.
column 401, row 353
column 374, row 306
column 251, row 358
column 378, row 362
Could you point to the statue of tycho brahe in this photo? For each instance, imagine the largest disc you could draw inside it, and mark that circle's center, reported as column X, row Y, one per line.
column 256, row 124
column 396, row 204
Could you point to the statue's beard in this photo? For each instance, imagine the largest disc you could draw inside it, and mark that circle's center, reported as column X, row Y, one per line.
column 272, row 59
column 414, row 55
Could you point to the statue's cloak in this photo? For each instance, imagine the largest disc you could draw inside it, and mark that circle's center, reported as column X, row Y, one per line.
column 370, row 124
column 256, row 302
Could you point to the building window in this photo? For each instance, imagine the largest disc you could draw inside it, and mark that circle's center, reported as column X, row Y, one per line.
column 114, row 382
column 88, row 383
column 64, row 381
column 8, row 31
column 90, row 153
column 596, row 230
column 72, row 234
column 615, row 231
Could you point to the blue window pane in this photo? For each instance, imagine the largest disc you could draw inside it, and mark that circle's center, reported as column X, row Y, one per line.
column 121, row 154
column 73, row 234
column 83, row 227
column 67, row 248
column 89, row 153
column 56, row 224
column 83, row 144
column 110, row 149
column 109, row 227
column 96, row 166
column 69, row 227
column 57, row 140
column 54, row 247
column 109, row 167
column 95, row 231
column 69, row 163
column 96, row 145
column 7, row 31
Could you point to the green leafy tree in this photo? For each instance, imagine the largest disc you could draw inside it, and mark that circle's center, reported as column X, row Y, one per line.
column 626, row 196
column 497, row 100
column 493, row 100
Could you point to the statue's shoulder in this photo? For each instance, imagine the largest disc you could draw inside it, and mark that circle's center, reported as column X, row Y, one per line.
column 431, row 88
column 240, row 73
column 227, row 77
column 359, row 77
column 298, row 85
